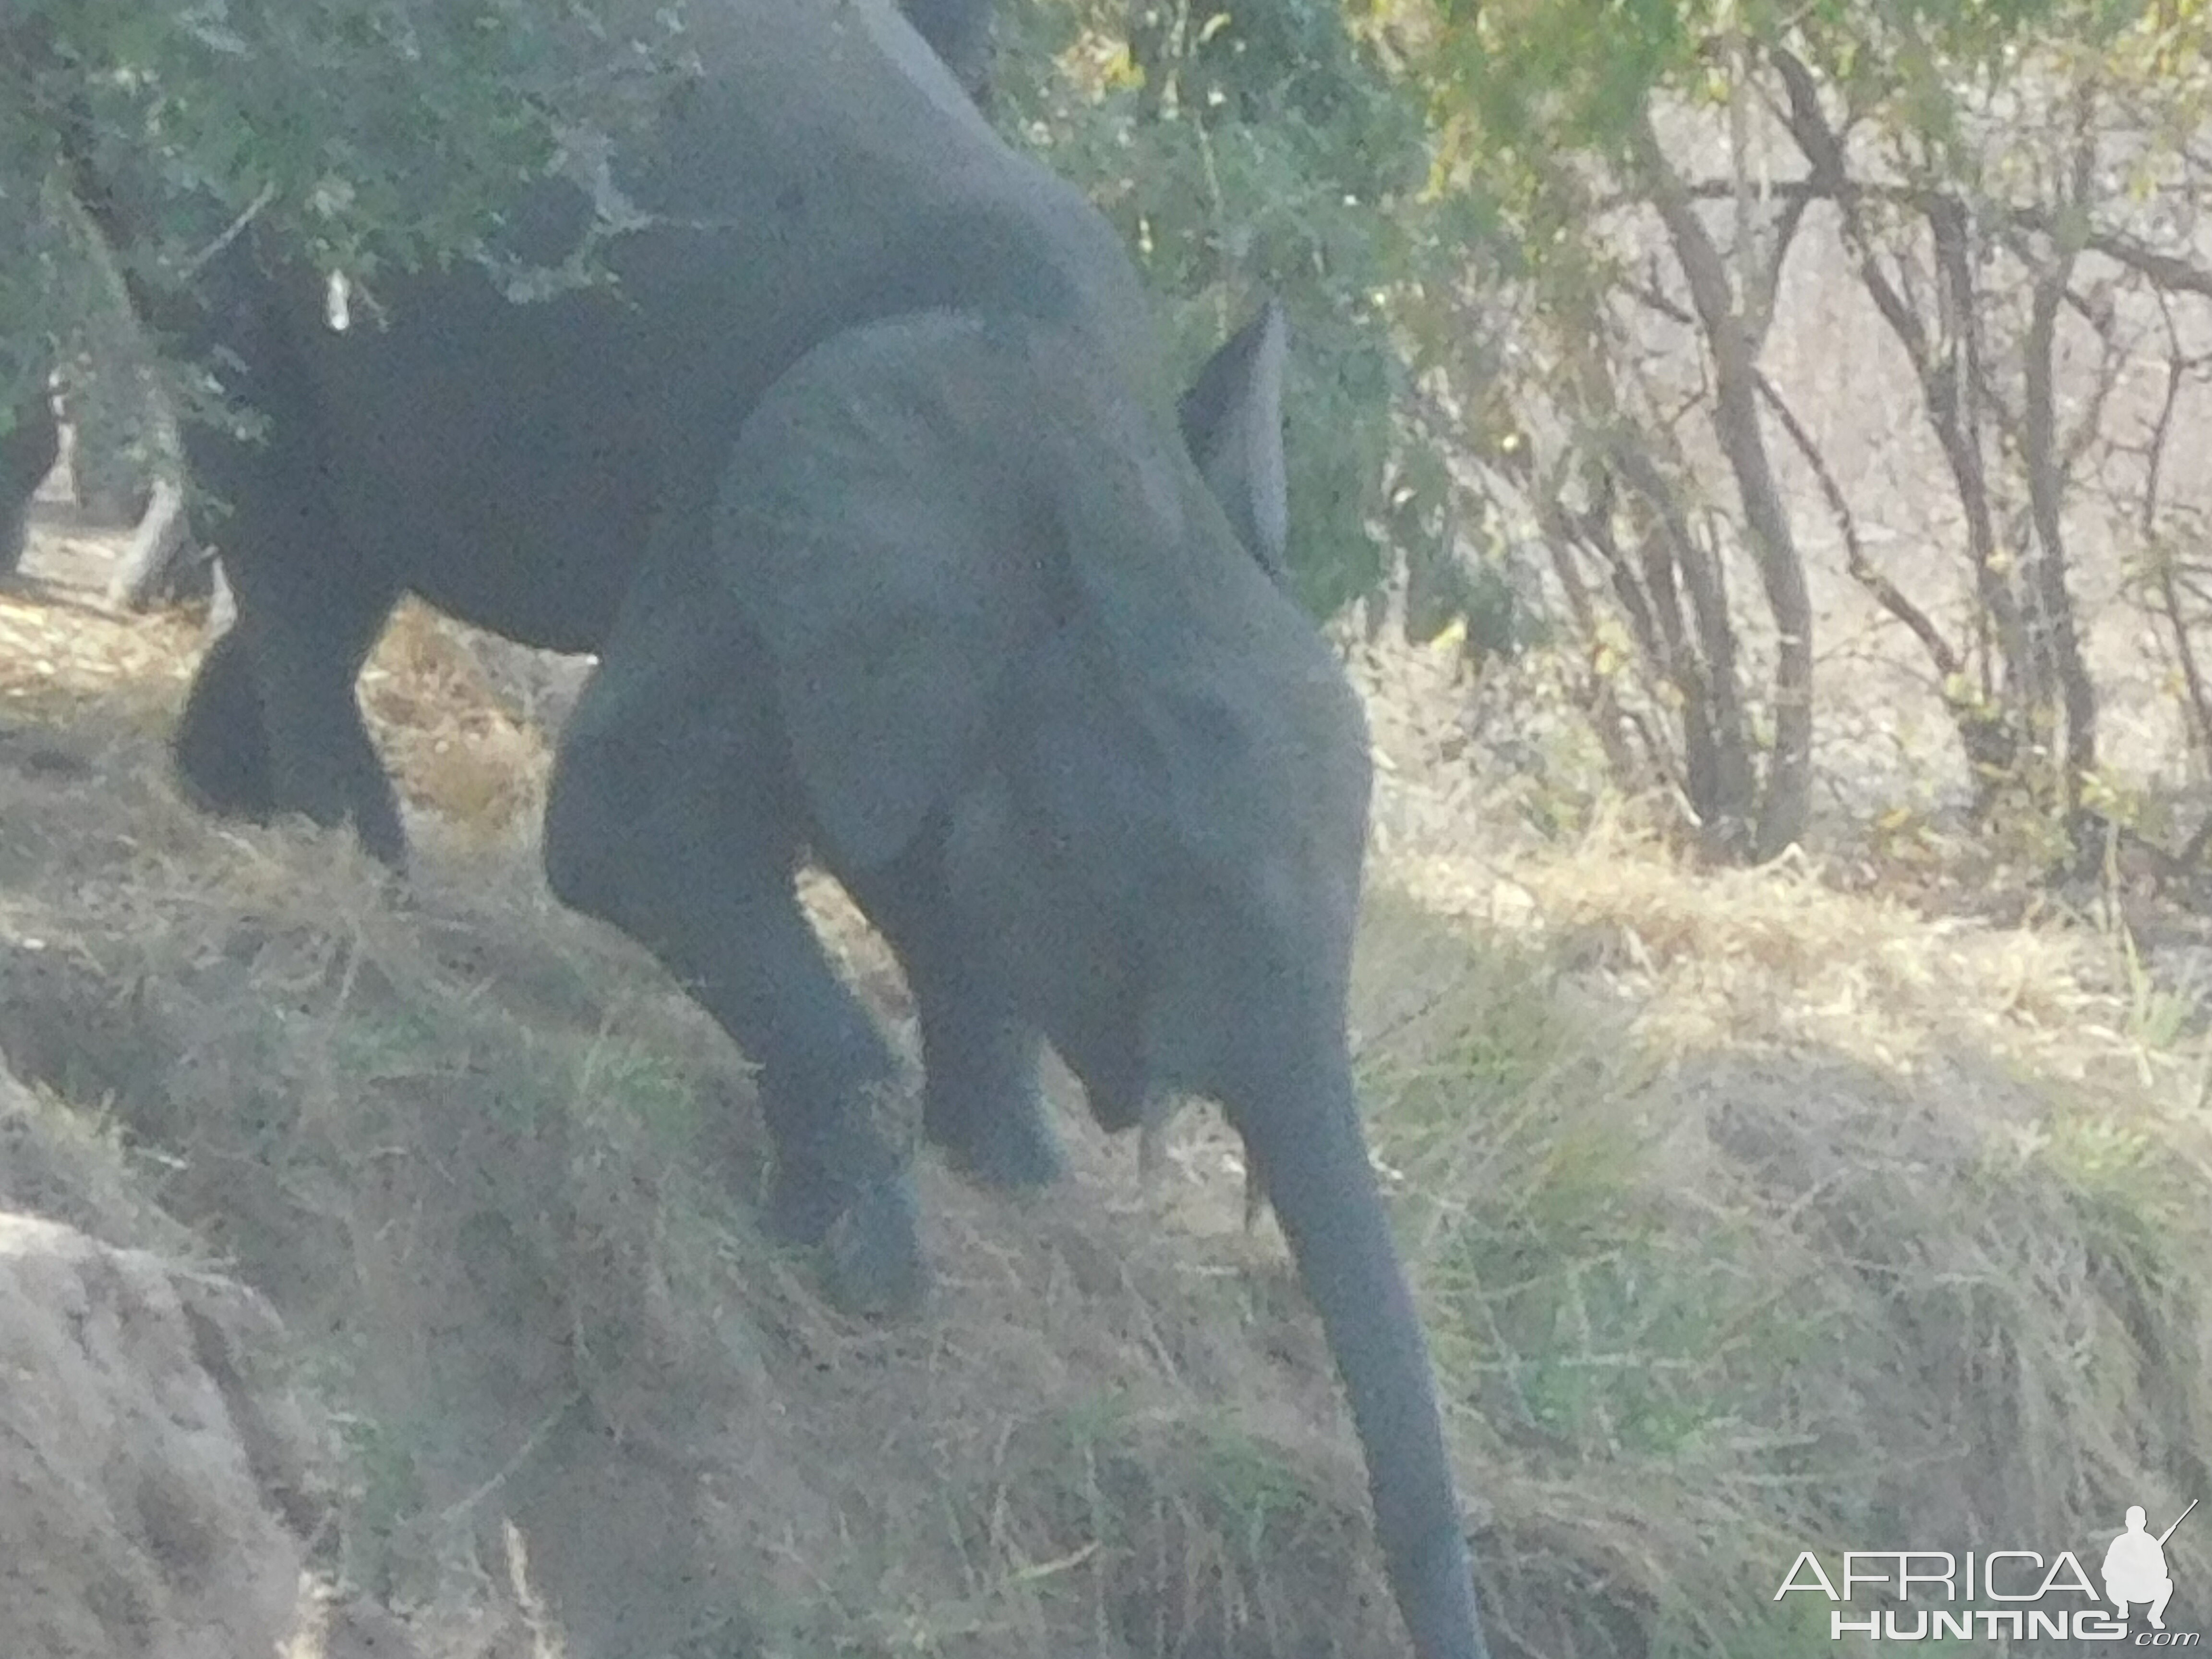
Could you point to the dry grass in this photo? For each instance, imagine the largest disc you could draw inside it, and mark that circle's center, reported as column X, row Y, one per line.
column 1862, row 1231
column 1779, row 956
column 1751, row 1217
column 458, row 745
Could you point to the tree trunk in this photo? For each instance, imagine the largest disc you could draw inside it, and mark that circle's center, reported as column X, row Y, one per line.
column 1787, row 799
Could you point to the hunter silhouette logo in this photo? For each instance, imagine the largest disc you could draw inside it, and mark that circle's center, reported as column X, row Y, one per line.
column 2001, row 1595
column 2134, row 1567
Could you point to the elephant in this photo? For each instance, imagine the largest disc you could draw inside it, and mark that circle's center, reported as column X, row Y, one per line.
column 866, row 481
column 159, row 563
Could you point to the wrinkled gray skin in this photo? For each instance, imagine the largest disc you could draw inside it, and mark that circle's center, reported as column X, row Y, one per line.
column 870, row 492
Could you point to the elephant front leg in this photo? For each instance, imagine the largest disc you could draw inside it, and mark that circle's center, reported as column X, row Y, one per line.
column 981, row 1105
column 665, row 819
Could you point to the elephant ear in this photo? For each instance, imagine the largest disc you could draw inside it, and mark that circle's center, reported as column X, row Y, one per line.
column 879, row 528
column 1223, row 752
column 1232, row 420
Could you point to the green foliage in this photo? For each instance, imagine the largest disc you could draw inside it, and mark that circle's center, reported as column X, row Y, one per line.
column 1263, row 150
column 1270, row 57
column 1266, row 148
column 1533, row 78
column 1649, row 166
column 34, row 260
column 368, row 131
column 1532, row 71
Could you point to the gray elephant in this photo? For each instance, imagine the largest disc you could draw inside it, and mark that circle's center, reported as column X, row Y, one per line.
column 164, row 564
column 868, row 485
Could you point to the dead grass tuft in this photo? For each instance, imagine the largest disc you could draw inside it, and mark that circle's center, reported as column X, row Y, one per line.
column 454, row 745
column 1778, row 956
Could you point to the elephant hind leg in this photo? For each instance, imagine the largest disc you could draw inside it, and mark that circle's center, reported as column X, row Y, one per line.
column 980, row 1103
column 273, row 724
column 667, row 819
column 220, row 745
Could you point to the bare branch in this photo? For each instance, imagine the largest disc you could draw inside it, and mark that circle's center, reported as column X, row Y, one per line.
column 2171, row 272
column 1886, row 592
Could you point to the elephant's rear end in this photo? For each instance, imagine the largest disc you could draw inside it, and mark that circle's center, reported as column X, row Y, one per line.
column 822, row 171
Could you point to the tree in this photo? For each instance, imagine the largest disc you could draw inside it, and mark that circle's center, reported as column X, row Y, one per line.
column 1267, row 148
column 1656, row 169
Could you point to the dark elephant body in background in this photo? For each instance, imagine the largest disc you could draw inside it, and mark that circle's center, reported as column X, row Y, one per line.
column 426, row 480
column 866, row 484
column 119, row 487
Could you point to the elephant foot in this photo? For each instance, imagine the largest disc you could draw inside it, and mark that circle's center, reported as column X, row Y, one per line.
column 1012, row 1151
column 872, row 1266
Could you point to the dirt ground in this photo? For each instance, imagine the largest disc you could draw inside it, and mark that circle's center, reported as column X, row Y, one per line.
column 1750, row 1215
